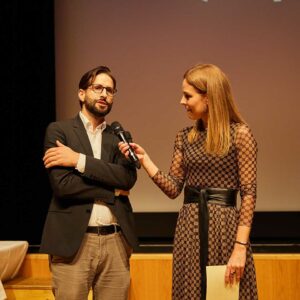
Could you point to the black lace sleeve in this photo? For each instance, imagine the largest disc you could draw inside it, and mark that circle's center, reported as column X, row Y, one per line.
column 172, row 183
column 247, row 166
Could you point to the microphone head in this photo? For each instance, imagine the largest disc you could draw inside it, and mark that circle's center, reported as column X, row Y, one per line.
column 116, row 127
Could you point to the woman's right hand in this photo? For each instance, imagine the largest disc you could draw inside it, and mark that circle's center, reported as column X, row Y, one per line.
column 141, row 154
column 139, row 151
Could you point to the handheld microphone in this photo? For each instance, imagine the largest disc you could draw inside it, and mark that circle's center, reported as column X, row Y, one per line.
column 125, row 137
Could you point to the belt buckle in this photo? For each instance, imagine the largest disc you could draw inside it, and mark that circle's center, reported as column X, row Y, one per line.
column 115, row 228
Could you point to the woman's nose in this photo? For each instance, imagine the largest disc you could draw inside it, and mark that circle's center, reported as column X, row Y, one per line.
column 182, row 101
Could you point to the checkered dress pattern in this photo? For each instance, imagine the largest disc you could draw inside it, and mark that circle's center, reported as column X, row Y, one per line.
column 236, row 170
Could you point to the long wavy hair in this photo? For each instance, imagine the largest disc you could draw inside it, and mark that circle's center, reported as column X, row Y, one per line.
column 210, row 80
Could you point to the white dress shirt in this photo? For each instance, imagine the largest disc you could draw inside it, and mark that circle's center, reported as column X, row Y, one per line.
column 101, row 214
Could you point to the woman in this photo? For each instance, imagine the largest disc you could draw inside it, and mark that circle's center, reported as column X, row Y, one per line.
column 214, row 159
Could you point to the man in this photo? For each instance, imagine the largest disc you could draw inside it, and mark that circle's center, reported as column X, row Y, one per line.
column 89, row 230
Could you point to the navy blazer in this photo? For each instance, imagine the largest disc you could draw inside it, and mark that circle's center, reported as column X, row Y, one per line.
column 74, row 193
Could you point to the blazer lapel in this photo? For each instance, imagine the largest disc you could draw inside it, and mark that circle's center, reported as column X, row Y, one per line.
column 82, row 135
column 107, row 142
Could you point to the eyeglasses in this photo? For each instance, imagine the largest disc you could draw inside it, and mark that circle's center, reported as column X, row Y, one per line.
column 98, row 89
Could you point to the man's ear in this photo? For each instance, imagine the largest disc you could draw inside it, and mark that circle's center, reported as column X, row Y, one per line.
column 81, row 95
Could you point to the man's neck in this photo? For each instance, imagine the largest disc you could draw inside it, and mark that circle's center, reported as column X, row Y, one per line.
column 95, row 121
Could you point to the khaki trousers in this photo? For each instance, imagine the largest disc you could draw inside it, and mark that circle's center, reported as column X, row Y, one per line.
column 101, row 264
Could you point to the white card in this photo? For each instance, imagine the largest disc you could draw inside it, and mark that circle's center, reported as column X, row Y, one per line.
column 216, row 288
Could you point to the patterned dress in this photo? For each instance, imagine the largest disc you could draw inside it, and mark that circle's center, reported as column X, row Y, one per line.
column 193, row 167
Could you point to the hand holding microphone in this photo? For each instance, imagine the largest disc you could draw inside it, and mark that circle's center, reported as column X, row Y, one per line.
column 125, row 137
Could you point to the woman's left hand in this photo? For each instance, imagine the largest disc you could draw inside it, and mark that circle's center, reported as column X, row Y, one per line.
column 236, row 264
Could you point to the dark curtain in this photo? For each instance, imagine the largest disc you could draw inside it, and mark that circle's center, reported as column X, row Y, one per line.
column 27, row 106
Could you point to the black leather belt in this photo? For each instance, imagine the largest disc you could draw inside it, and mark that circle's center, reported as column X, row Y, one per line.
column 103, row 230
column 224, row 197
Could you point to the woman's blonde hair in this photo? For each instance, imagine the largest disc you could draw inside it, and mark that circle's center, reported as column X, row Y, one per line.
column 210, row 80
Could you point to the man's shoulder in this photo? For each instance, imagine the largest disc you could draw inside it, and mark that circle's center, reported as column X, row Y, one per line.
column 64, row 123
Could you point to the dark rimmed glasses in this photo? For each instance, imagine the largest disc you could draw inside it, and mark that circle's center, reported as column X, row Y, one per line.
column 98, row 89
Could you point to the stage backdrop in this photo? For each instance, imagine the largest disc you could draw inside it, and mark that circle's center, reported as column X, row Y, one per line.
column 149, row 44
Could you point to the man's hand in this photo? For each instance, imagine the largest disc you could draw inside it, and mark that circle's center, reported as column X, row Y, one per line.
column 60, row 156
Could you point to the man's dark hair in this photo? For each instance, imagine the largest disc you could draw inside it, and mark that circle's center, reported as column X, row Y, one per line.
column 88, row 78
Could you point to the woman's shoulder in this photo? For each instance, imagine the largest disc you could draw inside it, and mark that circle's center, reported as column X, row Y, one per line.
column 184, row 131
column 182, row 135
column 243, row 132
column 241, row 128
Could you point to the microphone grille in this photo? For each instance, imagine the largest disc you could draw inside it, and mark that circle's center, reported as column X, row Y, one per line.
column 116, row 127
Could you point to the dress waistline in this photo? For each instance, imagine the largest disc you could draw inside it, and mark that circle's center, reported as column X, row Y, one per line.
column 202, row 196
column 220, row 196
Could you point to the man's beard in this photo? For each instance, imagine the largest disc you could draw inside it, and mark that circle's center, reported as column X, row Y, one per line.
column 92, row 108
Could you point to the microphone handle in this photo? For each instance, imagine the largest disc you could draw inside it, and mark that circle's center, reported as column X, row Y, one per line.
column 132, row 154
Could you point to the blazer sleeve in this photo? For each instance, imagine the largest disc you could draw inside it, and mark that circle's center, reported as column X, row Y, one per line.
column 120, row 174
column 100, row 178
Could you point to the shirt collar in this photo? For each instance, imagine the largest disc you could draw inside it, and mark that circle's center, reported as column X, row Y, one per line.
column 88, row 125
